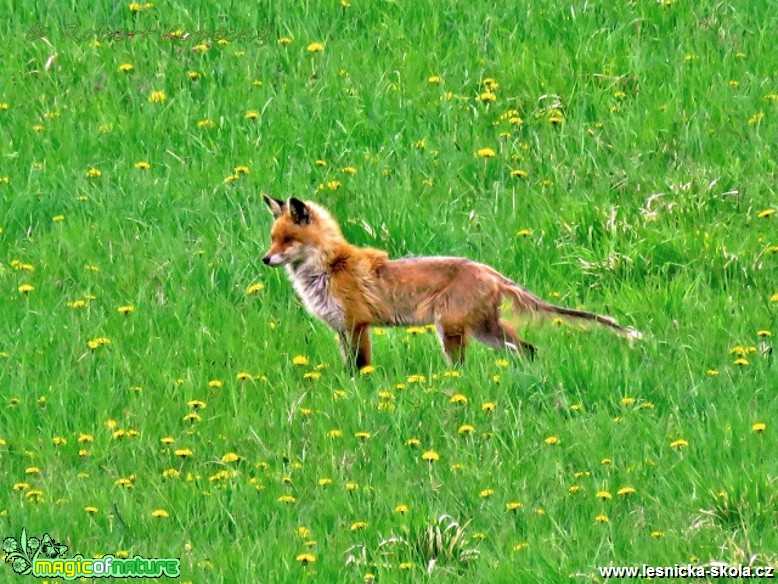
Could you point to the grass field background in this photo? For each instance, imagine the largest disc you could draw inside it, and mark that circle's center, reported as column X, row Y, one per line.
column 162, row 393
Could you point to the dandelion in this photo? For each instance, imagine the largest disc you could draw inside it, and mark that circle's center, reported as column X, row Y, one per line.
column 25, row 288
column 430, row 456
column 215, row 383
column 486, row 153
column 524, row 233
column 358, row 526
column 230, row 457
column 604, row 495
column 206, row 124
column 126, row 309
column 300, row 360
column 367, row 370
column 486, row 493
column 401, row 509
column 680, row 443
column 712, row 372
column 142, row 165
column 466, row 429
column 488, row 407
column 254, row 288
column 183, row 452
column 157, row 96
column 433, row 80
column 351, row 486
column 306, row 559
column 283, row 41
column 774, row 297
column 160, row 514
column 126, row 67
column 90, row 510
column 315, row 48
column 251, row 115
column 193, row 75
column 458, row 399
column 413, row 442
column 362, row 435
column 349, row 170
column 742, row 361
column 759, row 427
column 657, row 534
column 487, row 97
column 94, row 173
column 289, row 499
column 628, row 401
column 601, row 518
column 59, row 440
column 519, row 173
column 551, row 440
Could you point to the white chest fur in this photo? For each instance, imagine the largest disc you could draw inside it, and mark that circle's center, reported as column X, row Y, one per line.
column 312, row 284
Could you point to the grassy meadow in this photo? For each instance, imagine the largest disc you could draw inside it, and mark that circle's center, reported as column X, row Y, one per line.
column 164, row 394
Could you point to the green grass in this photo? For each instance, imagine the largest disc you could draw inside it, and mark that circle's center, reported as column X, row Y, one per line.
column 649, row 200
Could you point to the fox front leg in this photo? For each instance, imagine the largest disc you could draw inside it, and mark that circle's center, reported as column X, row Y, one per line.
column 355, row 346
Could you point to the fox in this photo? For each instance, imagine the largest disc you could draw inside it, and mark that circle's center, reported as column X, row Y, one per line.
column 352, row 288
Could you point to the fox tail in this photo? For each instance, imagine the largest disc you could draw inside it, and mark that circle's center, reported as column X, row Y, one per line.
column 524, row 301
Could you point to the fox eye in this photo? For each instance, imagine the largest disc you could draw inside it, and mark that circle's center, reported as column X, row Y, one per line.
column 286, row 240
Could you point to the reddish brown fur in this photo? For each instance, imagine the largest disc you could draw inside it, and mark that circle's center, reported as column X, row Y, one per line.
column 353, row 288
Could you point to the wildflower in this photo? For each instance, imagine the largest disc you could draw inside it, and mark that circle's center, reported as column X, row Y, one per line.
column 774, row 297
column 358, row 525
column 466, row 429
column 551, row 440
column 59, row 440
column 627, row 401
column 183, row 452
column 94, row 173
column 759, row 427
column 315, row 48
column 193, row 75
column 230, row 457
column 351, row 486
column 742, row 361
column 126, row 309
column 90, row 510
column 251, row 115
column 657, row 534
column 300, row 360
column 486, row 493
column 126, row 67
column 171, row 473
column 487, row 97
column 160, row 514
column 206, row 124
column 192, row 417
column 283, row 41
column 334, row 434
column 430, row 456
column 254, row 288
column 573, row 489
column 287, row 499
column 604, row 495
column 519, row 173
column 25, row 288
column 486, row 153
column 312, row 375
column 524, row 233
column 764, row 334
column 367, row 370
column 487, row 407
column 215, row 383
column 712, row 372
column 35, row 495
column 157, row 96
column 401, row 509
column 433, row 80
column 306, row 559
column 413, row 442
column 680, row 443
column 135, row 7
column 349, row 170
column 417, row 379
column 142, row 165
column 362, row 435
column 513, row 506
column 602, row 518
column 458, row 399
column 20, row 486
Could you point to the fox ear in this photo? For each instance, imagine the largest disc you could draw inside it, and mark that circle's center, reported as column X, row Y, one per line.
column 276, row 207
column 299, row 212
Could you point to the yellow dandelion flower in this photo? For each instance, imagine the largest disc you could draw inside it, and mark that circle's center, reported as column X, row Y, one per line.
column 742, row 361
column 766, row 213
column 231, row 457
column 519, row 173
column 35, row 495
column 573, row 489
column 59, row 441
column 193, row 75
column 413, row 442
column 416, row 379
column 306, row 559
column 488, row 407
column 25, row 288
column 126, row 309
column 157, row 96
column 524, row 233
column 20, row 486
column 283, row 41
column 126, row 67
column 520, row 546
column 487, row 97
column 680, row 443
column 486, row 153
column 358, row 525
column 160, row 514
column 351, row 486
column 215, row 383
column 167, row 440
column 604, row 495
column 657, row 534
column 300, row 360
column 287, row 499
column 314, row 375
column 628, row 401
column 712, row 372
column 252, row 115
column 458, row 399
column 430, row 456
column 551, row 440
column 466, row 429
column 142, row 165
column 94, row 173
column 206, row 124
column 759, row 427
column 513, row 506
column 362, row 435
column 315, row 48
column 254, row 288
column 486, row 493
column 183, row 452
column 601, row 518
column 90, row 510
column 774, row 297
column 401, row 509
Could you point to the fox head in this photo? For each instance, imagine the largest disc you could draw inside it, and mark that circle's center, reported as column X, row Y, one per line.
column 300, row 231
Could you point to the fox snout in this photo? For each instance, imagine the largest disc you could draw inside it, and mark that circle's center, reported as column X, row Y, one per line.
column 266, row 260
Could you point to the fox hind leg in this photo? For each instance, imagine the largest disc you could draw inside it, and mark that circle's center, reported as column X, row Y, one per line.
column 454, row 341
column 501, row 335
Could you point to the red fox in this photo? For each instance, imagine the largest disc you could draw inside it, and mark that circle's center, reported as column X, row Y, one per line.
column 352, row 288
